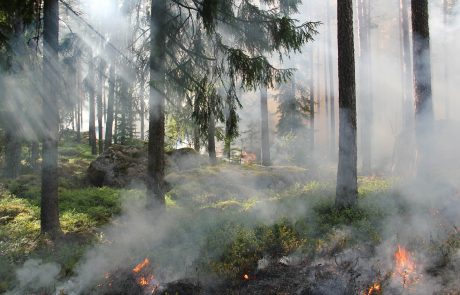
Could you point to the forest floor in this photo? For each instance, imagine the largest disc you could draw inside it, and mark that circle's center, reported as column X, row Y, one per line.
column 227, row 233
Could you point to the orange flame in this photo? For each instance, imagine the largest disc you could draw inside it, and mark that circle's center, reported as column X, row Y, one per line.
column 246, row 277
column 141, row 265
column 144, row 278
column 374, row 289
column 405, row 266
column 145, row 281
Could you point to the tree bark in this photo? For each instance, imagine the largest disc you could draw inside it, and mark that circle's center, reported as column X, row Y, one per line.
column 92, row 111
column 156, row 144
column 123, row 126
column 16, row 54
column 446, row 60
column 347, row 187
column 312, row 103
column 332, row 142
column 34, row 154
column 79, row 100
column 196, row 130
column 406, row 64
column 212, row 140
column 110, row 102
column 365, row 88
column 265, row 140
column 100, row 107
column 424, row 116
column 142, row 107
column 12, row 152
column 49, row 210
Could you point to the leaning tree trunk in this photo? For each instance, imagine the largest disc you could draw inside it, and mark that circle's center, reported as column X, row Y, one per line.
column 265, row 140
column 347, row 187
column 156, row 144
column 49, row 210
column 110, row 102
column 424, row 116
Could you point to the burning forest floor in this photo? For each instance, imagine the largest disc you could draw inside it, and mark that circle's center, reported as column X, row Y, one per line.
column 234, row 229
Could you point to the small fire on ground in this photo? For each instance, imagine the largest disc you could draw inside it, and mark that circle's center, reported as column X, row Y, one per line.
column 375, row 289
column 404, row 272
column 144, row 277
column 405, row 267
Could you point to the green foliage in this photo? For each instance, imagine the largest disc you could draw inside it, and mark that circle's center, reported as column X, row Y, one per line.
column 242, row 246
column 99, row 204
column 254, row 71
column 15, row 12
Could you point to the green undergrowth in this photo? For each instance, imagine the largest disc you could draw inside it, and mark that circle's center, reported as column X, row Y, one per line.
column 82, row 211
column 300, row 219
column 232, row 216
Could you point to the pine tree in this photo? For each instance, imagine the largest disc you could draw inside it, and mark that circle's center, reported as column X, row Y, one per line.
column 156, row 144
column 177, row 69
column 347, row 187
column 265, row 139
column 49, row 210
column 110, row 108
column 365, row 87
column 406, row 63
column 424, row 117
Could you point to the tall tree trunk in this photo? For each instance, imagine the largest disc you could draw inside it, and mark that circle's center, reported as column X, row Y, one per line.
column 123, row 126
column 92, row 111
column 446, row 59
column 318, row 83
column 228, row 139
column 130, row 119
column 79, row 102
column 110, row 102
column 12, row 137
column 332, row 141
column 326, row 82
column 365, row 93
column 212, row 140
column 100, row 108
column 116, row 112
column 49, row 209
column 156, row 145
column 142, row 106
column 312, row 103
column 12, row 152
column 424, row 116
column 72, row 119
column 196, row 130
column 265, row 140
column 347, row 187
column 34, row 154
column 406, row 64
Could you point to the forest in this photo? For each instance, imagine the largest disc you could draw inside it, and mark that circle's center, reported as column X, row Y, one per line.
column 266, row 147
